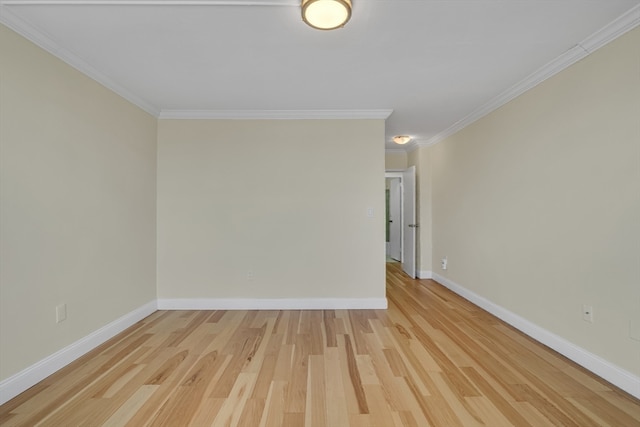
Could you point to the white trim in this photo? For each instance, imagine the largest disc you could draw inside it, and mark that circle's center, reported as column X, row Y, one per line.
column 16, row 384
column 611, row 31
column 427, row 143
column 599, row 366
column 272, row 303
column 425, row 274
column 412, row 146
column 626, row 22
column 415, row 144
column 274, row 114
column 40, row 39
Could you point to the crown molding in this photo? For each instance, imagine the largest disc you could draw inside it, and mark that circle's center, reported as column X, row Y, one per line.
column 419, row 143
column 45, row 42
column 427, row 143
column 274, row 114
column 610, row 32
column 626, row 22
column 414, row 144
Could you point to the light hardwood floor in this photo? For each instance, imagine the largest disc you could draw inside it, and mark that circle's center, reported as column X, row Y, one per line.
column 431, row 359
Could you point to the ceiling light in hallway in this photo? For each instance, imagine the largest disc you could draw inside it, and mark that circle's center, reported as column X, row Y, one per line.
column 326, row 14
column 401, row 139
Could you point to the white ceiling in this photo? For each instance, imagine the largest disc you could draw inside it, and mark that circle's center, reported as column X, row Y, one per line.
column 437, row 64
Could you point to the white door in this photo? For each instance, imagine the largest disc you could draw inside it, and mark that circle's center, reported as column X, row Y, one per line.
column 409, row 221
column 395, row 220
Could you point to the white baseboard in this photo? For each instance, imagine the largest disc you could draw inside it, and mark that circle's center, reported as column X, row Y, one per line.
column 16, row 384
column 272, row 304
column 425, row 274
column 599, row 366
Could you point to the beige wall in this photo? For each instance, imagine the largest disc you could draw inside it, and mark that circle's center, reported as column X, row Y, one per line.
column 284, row 200
column 77, row 204
column 537, row 205
column 395, row 160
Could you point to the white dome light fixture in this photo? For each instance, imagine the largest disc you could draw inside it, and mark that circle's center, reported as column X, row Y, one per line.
column 326, row 14
column 401, row 139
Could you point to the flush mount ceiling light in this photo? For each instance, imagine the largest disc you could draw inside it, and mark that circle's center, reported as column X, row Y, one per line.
column 401, row 139
column 326, row 14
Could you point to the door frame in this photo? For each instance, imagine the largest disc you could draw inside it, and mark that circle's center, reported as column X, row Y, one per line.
column 398, row 175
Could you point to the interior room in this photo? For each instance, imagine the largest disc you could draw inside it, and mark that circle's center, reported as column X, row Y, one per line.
column 209, row 214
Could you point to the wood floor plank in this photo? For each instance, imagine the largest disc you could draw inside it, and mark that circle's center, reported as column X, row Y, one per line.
column 367, row 371
column 354, row 377
column 251, row 414
column 242, row 349
column 273, row 414
column 297, row 382
column 487, row 413
column 533, row 416
column 393, row 387
column 164, row 391
column 490, row 392
column 406, row 418
column 329, row 319
column 604, row 410
column 181, row 408
column 316, row 405
column 336, row 413
column 234, row 405
column 207, row 412
column 130, row 407
column 432, row 359
column 622, row 401
column 267, row 368
column 381, row 413
column 65, row 406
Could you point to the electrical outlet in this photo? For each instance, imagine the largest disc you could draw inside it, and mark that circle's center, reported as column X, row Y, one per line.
column 250, row 274
column 444, row 263
column 61, row 313
column 587, row 313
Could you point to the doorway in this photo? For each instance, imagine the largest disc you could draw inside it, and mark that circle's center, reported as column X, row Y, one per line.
column 394, row 219
column 401, row 218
